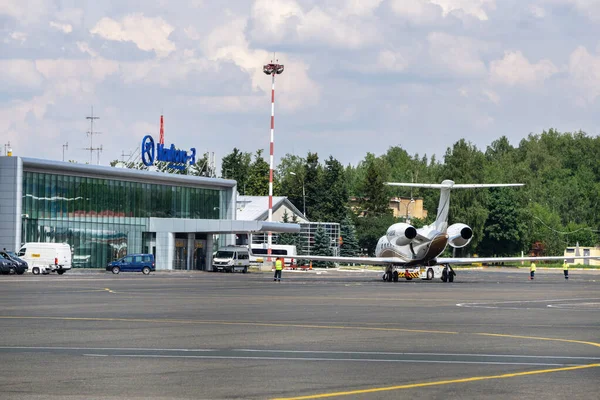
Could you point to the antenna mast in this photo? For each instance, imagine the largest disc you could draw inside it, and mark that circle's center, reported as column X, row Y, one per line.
column 91, row 134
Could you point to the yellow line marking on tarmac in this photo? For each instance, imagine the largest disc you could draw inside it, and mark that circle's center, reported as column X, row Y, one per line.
column 108, row 290
column 270, row 324
column 539, row 338
column 438, row 383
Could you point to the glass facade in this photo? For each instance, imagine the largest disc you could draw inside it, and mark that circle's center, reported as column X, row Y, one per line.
column 104, row 219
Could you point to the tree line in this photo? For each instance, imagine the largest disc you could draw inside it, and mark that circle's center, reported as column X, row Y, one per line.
column 559, row 205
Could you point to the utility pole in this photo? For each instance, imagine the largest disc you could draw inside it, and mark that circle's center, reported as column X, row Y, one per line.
column 91, row 134
column 65, row 147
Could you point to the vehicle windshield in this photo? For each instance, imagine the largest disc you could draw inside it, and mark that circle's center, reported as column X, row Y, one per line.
column 224, row 254
column 11, row 253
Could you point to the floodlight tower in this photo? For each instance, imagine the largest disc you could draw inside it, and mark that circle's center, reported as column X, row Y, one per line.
column 274, row 68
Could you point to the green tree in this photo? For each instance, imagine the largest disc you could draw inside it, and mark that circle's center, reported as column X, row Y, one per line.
column 334, row 205
column 290, row 171
column 376, row 197
column 505, row 228
column 464, row 163
column 322, row 247
column 370, row 228
column 236, row 165
column 349, row 247
column 313, row 184
column 258, row 180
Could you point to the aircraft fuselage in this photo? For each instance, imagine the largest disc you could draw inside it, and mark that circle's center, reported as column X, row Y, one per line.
column 430, row 244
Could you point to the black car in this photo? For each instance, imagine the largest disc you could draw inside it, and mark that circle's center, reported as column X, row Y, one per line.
column 7, row 267
column 19, row 266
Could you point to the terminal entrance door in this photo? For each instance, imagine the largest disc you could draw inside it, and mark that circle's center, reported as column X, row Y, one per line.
column 180, row 261
column 199, row 258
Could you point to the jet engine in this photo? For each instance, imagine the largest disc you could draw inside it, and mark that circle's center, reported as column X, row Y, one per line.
column 401, row 234
column 459, row 235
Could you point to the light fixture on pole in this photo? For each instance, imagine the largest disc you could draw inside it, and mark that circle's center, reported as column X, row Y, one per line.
column 65, row 147
column 412, row 201
column 303, row 195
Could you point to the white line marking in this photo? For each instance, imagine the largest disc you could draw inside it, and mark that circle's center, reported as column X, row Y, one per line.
column 99, row 348
column 327, row 359
column 415, row 354
column 492, row 305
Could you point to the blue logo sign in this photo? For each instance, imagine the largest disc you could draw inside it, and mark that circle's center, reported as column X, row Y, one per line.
column 176, row 158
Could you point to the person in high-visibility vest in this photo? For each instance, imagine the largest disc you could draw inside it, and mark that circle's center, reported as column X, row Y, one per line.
column 566, row 269
column 532, row 270
column 278, row 269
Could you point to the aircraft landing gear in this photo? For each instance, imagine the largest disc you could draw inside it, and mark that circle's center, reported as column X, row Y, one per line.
column 390, row 275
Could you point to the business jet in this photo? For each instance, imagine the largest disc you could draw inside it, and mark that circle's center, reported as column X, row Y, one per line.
column 407, row 252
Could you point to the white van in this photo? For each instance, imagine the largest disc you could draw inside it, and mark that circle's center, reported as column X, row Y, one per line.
column 231, row 259
column 46, row 257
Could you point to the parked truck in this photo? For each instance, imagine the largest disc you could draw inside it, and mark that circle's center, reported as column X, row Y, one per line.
column 44, row 258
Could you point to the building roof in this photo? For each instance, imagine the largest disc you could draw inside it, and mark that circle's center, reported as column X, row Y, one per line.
column 105, row 172
column 256, row 208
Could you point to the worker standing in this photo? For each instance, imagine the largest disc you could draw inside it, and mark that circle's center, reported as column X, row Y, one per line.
column 566, row 269
column 278, row 269
column 532, row 271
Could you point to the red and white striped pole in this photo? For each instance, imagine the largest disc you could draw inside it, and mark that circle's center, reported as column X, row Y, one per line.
column 271, row 69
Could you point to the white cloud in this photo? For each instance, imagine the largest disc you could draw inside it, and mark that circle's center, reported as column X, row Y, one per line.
column 147, row 33
column 65, row 28
column 475, row 8
column 17, row 37
column 584, row 73
column 537, row 11
column 285, row 21
column 85, row 48
column 514, row 69
column 587, row 8
column 491, row 96
column 25, row 12
column 19, row 74
column 427, row 11
column 456, row 54
column 418, row 11
column 228, row 43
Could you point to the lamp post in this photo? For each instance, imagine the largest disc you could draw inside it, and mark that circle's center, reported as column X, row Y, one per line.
column 303, row 195
column 271, row 69
column 412, row 201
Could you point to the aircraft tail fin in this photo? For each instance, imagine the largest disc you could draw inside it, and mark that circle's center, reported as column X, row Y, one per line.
column 441, row 220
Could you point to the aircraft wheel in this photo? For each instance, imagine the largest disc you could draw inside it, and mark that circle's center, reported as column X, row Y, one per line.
column 395, row 276
column 389, row 276
column 429, row 274
column 450, row 277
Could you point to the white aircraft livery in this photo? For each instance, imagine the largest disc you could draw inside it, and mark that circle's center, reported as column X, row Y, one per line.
column 408, row 252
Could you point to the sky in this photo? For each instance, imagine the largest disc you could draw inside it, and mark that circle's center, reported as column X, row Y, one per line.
column 360, row 75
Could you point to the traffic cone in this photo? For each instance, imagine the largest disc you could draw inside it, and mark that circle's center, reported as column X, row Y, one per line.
column 310, row 266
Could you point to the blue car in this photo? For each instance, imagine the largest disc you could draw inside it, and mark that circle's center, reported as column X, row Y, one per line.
column 143, row 263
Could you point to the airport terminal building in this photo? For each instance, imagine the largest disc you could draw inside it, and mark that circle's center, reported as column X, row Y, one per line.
column 105, row 212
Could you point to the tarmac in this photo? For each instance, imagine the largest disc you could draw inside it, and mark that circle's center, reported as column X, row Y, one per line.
column 492, row 334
